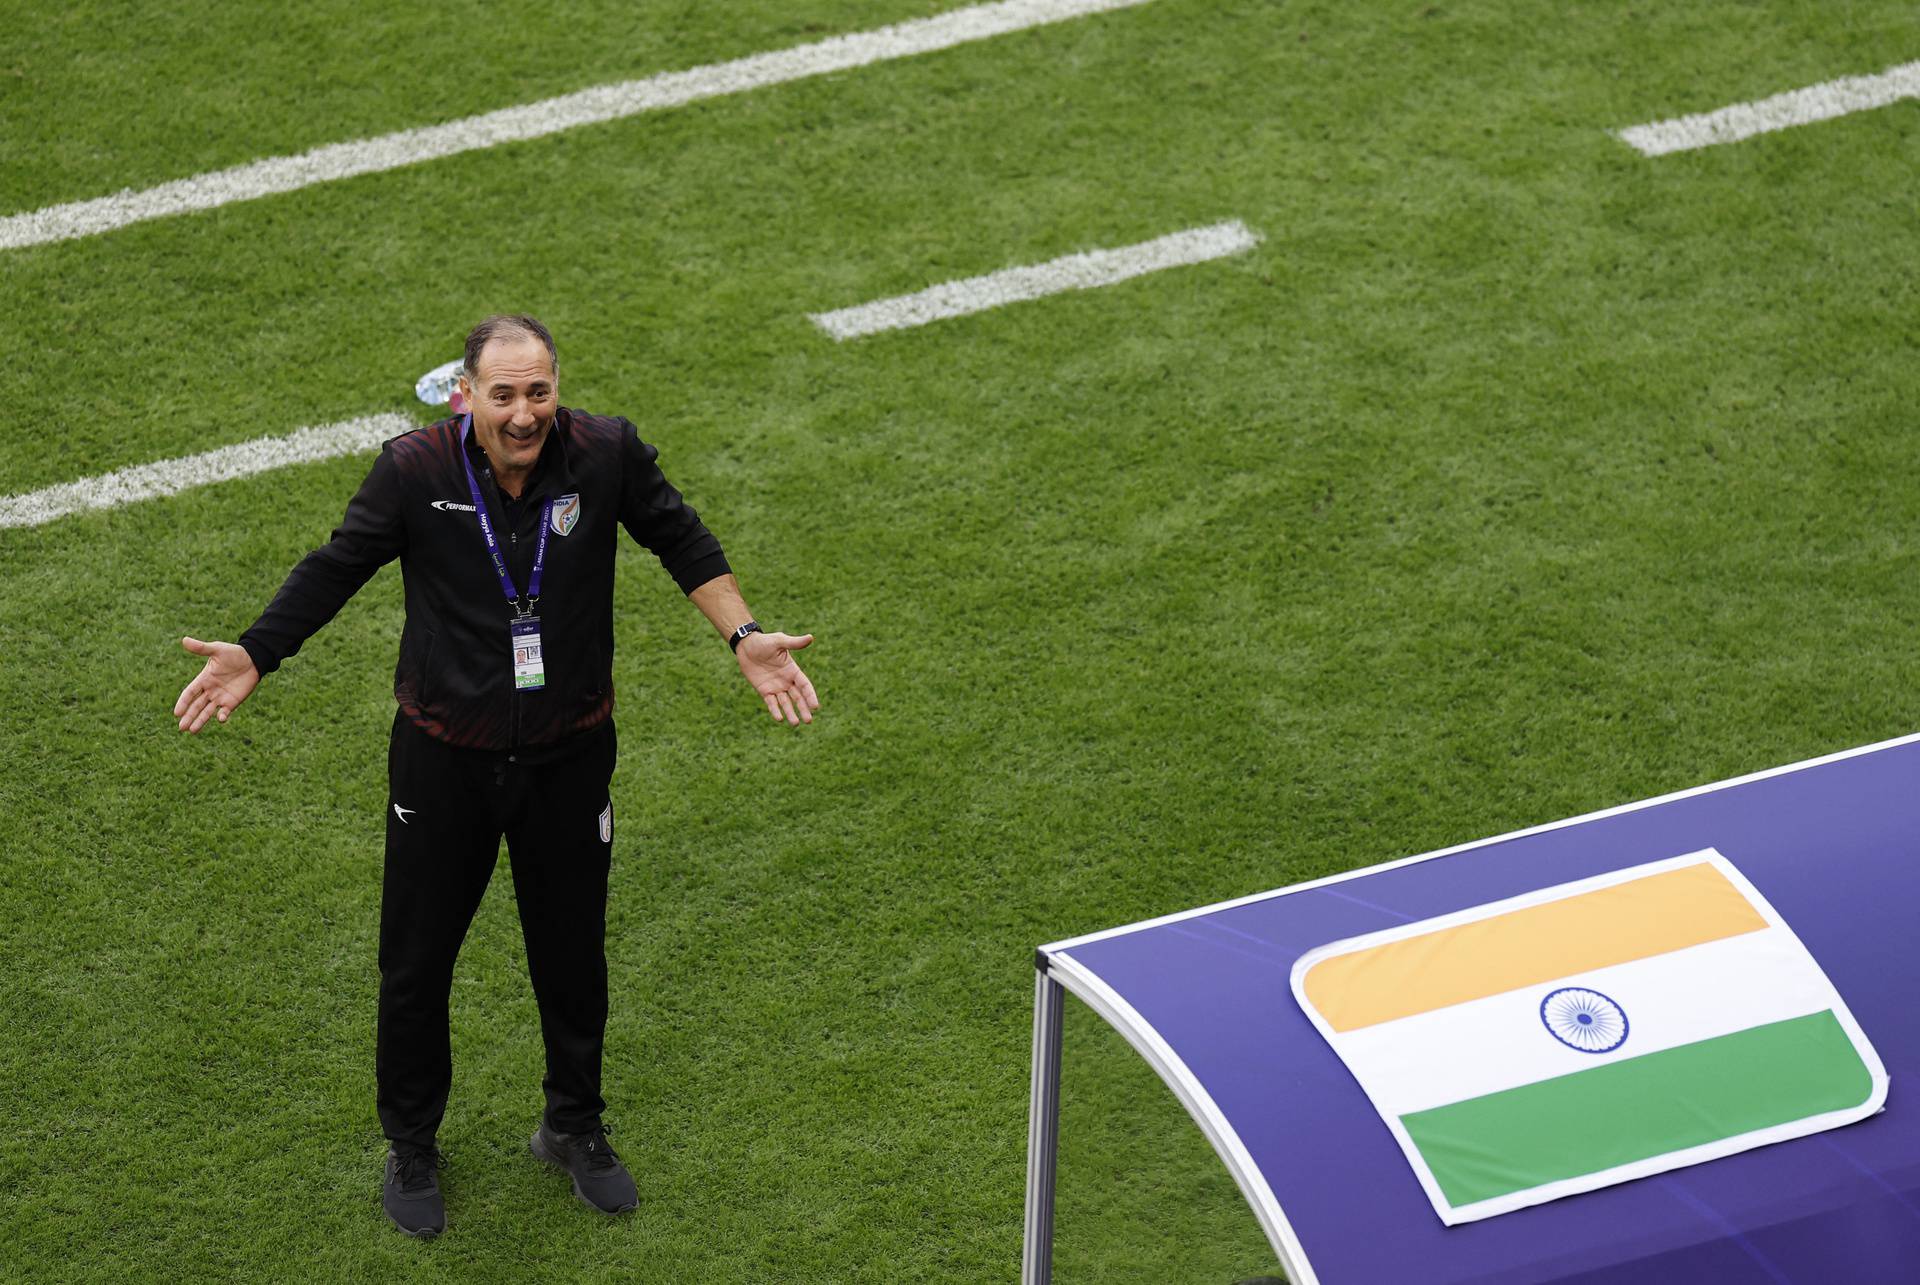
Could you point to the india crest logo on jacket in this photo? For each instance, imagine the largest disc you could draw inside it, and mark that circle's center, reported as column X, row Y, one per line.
column 566, row 512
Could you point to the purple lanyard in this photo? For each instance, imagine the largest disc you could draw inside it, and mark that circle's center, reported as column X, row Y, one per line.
column 493, row 543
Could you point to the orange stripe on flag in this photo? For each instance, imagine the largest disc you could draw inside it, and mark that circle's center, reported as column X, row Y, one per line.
column 1649, row 916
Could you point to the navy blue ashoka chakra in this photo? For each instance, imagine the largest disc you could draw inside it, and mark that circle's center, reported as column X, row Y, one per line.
column 1584, row 1020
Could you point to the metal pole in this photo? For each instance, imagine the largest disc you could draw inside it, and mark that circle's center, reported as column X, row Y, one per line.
column 1043, row 1129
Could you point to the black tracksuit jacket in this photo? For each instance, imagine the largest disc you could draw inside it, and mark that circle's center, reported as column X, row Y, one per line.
column 454, row 679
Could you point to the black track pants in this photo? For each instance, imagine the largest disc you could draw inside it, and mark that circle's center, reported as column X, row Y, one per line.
column 447, row 810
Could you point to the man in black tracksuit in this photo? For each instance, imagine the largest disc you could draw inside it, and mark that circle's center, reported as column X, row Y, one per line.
column 505, row 522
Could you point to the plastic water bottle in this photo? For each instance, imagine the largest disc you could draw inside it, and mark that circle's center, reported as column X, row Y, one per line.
column 441, row 385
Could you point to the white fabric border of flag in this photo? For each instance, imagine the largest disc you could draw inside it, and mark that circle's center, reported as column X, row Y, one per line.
column 1453, row 1215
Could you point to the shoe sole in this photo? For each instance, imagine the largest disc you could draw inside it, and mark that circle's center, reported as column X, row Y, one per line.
column 544, row 1156
column 425, row 1233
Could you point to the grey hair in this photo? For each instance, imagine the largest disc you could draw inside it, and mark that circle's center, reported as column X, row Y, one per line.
column 504, row 325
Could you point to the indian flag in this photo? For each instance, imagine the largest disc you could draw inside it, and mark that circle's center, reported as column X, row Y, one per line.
column 1590, row 1033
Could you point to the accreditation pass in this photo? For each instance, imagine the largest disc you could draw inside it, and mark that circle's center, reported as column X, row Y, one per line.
column 529, row 669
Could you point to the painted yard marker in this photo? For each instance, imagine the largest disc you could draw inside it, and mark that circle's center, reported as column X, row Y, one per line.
column 1010, row 285
column 168, row 477
column 534, row 120
column 1782, row 111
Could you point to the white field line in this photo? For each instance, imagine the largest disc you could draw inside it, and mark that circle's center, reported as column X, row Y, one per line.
column 534, row 120
column 168, row 477
column 1782, row 111
column 1010, row 285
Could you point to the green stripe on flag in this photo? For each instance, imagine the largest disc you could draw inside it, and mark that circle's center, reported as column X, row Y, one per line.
column 1614, row 1114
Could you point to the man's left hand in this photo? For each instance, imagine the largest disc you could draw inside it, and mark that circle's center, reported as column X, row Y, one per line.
column 767, row 662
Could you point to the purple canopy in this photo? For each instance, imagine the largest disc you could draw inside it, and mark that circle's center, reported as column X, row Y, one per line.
column 1833, row 844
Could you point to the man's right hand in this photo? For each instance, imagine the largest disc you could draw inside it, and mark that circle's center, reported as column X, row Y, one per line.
column 224, row 681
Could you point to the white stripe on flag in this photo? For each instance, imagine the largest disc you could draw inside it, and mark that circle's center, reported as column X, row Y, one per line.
column 1483, row 1046
column 168, row 477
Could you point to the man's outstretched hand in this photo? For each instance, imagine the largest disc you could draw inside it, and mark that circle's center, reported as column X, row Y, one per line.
column 767, row 662
column 229, row 677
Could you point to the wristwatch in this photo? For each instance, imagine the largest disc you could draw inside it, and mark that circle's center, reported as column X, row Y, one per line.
column 733, row 639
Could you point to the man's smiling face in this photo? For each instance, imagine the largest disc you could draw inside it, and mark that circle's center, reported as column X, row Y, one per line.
column 513, row 396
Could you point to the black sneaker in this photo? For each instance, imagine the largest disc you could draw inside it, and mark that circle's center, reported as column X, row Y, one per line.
column 412, row 1191
column 599, row 1179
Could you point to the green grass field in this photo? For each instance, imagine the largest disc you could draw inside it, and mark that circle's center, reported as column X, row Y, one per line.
column 1512, row 476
